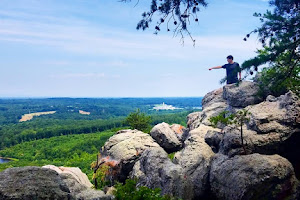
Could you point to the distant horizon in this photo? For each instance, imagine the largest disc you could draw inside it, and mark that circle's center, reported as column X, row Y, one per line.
column 99, row 97
column 92, row 49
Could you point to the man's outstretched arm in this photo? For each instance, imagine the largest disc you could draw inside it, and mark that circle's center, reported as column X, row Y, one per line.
column 217, row 67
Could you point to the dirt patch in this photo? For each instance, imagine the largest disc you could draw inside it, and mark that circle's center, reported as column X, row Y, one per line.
column 28, row 117
column 84, row 112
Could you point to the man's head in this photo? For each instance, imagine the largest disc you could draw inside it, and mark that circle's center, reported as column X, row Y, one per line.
column 230, row 59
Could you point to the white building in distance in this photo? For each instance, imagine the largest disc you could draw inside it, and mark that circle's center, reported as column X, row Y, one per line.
column 164, row 106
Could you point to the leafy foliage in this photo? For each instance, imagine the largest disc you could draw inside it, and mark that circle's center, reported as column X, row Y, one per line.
column 279, row 78
column 70, row 150
column 222, row 119
column 101, row 176
column 280, row 36
column 130, row 191
column 237, row 119
column 139, row 120
column 171, row 155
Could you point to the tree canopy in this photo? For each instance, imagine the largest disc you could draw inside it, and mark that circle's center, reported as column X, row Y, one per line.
column 138, row 120
column 280, row 37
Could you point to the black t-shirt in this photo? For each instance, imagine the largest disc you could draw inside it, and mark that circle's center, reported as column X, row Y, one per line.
column 232, row 72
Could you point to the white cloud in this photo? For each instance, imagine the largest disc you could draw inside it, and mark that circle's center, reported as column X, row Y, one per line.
column 88, row 40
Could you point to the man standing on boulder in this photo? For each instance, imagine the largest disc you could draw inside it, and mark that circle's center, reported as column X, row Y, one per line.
column 232, row 70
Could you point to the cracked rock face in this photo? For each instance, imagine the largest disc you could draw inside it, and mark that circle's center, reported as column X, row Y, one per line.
column 27, row 183
column 253, row 177
column 195, row 161
column 127, row 146
column 155, row 170
column 167, row 137
column 242, row 95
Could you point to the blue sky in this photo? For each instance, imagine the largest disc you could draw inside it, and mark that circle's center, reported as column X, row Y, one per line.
column 81, row 48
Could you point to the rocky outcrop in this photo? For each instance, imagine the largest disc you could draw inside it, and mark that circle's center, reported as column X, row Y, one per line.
column 213, row 139
column 193, row 120
column 74, row 172
column 27, row 183
column 83, row 192
column 210, row 98
column 180, row 131
column 280, row 115
column 273, row 129
column 166, row 137
column 210, row 163
column 195, row 160
column 155, row 170
column 253, row 177
column 242, row 95
column 126, row 146
column 23, row 184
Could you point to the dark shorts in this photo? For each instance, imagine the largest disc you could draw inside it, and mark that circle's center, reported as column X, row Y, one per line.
column 232, row 81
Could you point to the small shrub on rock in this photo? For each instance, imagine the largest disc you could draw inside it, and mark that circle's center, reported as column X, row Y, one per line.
column 130, row 191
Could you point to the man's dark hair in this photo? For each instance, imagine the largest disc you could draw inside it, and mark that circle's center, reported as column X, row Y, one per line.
column 230, row 57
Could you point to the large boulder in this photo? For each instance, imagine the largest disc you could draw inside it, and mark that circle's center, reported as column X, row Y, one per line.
column 195, row 160
column 212, row 111
column 26, row 183
column 180, row 131
column 281, row 115
column 82, row 192
column 126, row 146
column 213, row 97
column 213, row 138
column 155, row 170
column 242, row 95
column 166, row 137
column 253, row 177
column 213, row 104
column 74, row 172
column 193, row 120
column 273, row 129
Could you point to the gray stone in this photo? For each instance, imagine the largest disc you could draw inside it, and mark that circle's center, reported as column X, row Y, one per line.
column 213, row 97
column 212, row 111
column 271, row 98
column 166, row 137
column 82, row 192
column 281, row 116
column 180, row 131
column 126, row 146
column 213, row 139
column 26, row 183
column 193, row 120
column 195, row 161
column 252, row 177
column 246, row 93
column 155, row 170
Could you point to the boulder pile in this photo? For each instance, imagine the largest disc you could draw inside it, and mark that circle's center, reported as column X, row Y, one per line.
column 198, row 162
column 210, row 162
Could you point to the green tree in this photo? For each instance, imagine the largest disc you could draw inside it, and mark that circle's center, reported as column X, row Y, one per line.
column 237, row 119
column 138, row 120
column 280, row 36
column 131, row 191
